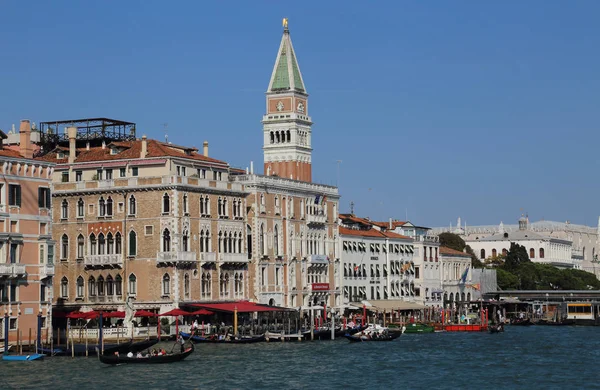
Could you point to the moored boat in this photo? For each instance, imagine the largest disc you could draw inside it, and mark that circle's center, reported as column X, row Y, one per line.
column 415, row 328
column 374, row 337
column 115, row 359
column 214, row 339
column 521, row 321
column 498, row 328
column 23, row 358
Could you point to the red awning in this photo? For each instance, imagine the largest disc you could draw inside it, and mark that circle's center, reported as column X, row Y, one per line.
column 113, row 314
column 241, row 306
column 145, row 313
column 202, row 312
column 175, row 313
column 79, row 315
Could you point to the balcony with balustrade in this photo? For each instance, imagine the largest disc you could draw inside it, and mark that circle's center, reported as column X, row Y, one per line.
column 46, row 270
column 101, row 261
column 317, row 219
column 233, row 258
column 176, row 258
column 13, row 270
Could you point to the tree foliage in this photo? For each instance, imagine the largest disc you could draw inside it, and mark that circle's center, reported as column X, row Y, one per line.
column 452, row 240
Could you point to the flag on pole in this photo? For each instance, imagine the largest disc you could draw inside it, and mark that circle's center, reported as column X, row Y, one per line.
column 324, row 199
column 317, row 199
column 463, row 278
column 476, row 286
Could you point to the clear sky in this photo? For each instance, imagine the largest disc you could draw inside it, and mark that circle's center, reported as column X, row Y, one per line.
column 438, row 109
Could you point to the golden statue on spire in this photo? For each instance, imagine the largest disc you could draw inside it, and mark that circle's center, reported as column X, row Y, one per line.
column 285, row 23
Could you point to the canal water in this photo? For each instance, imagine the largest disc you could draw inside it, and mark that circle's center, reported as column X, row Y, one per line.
column 521, row 357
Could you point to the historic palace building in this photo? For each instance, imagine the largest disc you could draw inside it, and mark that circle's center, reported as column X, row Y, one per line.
column 26, row 245
column 292, row 221
column 157, row 222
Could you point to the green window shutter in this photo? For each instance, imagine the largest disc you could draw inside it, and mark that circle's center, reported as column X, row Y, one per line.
column 18, row 196
column 11, row 195
column 48, row 198
column 40, row 197
column 132, row 243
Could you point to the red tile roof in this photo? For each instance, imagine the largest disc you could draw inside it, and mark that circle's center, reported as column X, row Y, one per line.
column 371, row 233
column 452, row 252
column 386, row 225
column 132, row 151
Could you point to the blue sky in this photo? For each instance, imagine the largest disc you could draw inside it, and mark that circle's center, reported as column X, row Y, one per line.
column 437, row 109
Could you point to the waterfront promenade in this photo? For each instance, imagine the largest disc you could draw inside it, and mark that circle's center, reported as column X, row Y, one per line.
column 522, row 357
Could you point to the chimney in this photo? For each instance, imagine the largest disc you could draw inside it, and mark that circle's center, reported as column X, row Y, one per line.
column 144, row 151
column 87, row 146
column 205, row 148
column 25, row 139
column 72, row 134
column 103, row 144
column 252, row 167
column 391, row 225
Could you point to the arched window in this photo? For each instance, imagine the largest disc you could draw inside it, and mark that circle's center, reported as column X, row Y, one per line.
column 109, row 207
column 185, row 204
column 206, row 285
column 494, row 253
column 220, row 207
column 101, row 244
column 64, row 247
column 504, row 251
column 132, row 243
column 541, row 253
column 166, row 284
column 100, row 286
column 202, row 248
column 110, row 286
column 80, row 287
column 132, row 284
column 101, row 207
column 80, row 246
column 64, row 287
column 261, row 242
column 118, row 245
column 186, row 285
column 166, row 203
column 64, row 209
column 202, row 205
column 91, row 287
column 119, row 285
column 276, row 240
column 132, row 205
column 166, row 240
column 532, row 253
column 80, row 208
column 482, row 254
column 93, row 245
column 185, row 245
column 110, row 244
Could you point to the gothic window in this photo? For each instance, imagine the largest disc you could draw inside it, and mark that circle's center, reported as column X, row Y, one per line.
column 220, row 207
column 119, row 285
column 276, row 240
column 64, row 247
column 166, row 284
column 261, row 240
column 132, row 284
column 132, row 205
column 118, row 246
column 289, row 136
column 80, row 208
column 101, row 244
column 532, row 253
column 64, row 209
column 541, row 253
column 186, row 285
column 100, row 286
column 109, row 207
column 202, row 205
column 185, row 246
column 110, row 286
column 110, row 244
column 185, row 204
column 166, row 241
column 132, row 243
column 166, row 204
column 91, row 287
column 206, row 285
column 64, row 287
column 101, row 207
column 482, row 254
column 80, row 287
column 272, row 136
column 202, row 248
column 93, row 245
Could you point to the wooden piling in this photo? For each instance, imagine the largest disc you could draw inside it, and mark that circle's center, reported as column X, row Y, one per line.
column 72, row 346
column 19, row 341
column 86, row 347
column 29, row 342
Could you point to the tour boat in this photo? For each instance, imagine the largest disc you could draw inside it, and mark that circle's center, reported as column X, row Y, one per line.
column 168, row 358
column 415, row 328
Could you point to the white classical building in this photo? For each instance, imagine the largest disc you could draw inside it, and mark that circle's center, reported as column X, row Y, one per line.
column 540, row 248
column 456, row 277
column 377, row 264
column 585, row 240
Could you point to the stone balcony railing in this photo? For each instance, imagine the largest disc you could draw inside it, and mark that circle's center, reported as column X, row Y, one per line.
column 233, row 257
column 288, row 184
column 429, row 239
column 114, row 260
column 176, row 257
column 46, row 270
column 320, row 219
column 208, row 257
column 13, row 270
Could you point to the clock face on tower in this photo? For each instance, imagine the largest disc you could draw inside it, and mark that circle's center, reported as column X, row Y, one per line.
column 280, row 106
column 301, row 107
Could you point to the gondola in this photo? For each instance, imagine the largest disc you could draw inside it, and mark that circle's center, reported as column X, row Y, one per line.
column 499, row 328
column 521, row 322
column 382, row 337
column 169, row 358
column 123, row 348
column 215, row 340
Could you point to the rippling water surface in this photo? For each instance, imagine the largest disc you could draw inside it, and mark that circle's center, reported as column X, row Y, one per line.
column 522, row 357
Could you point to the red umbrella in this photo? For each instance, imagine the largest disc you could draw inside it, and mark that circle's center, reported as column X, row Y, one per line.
column 202, row 312
column 144, row 313
column 176, row 313
column 114, row 314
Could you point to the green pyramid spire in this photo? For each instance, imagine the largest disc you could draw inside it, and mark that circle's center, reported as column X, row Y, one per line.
column 286, row 73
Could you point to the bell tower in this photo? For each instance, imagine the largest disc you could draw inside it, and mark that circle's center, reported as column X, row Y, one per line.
column 286, row 125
